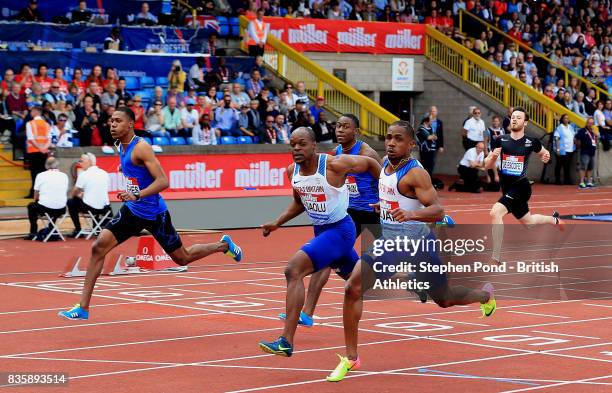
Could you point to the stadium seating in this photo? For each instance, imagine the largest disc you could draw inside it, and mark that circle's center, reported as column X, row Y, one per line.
column 132, row 83
column 245, row 140
column 148, row 140
column 224, row 26
column 228, row 140
column 177, row 140
column 189, row 140
column 147, row 82
column 161, row 141
column 161, row 81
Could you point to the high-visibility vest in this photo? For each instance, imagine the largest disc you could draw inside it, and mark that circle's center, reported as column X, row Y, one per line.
column 260, row 31
column 40, row 130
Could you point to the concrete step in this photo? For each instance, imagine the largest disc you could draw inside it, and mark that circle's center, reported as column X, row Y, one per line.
column 15, row 184
column 14, row 174
column 14, row 194
column 15, row 202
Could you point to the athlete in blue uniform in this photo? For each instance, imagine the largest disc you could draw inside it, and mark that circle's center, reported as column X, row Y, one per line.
column 319, row 188
column 144, row 208
column 363, row 193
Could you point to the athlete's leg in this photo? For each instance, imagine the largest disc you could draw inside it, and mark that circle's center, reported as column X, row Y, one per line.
column 362, row 278
column 298, row 267
column 185, row 255
column 102, row 246
column 447, row 296
column 530, row 220
column 317, row 282
column 497, row 213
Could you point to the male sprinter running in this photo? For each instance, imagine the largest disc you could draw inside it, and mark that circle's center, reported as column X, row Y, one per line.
column 363, row 193
column 408, row 201
column 319, row 188
column 144, row 208
column 515, row 149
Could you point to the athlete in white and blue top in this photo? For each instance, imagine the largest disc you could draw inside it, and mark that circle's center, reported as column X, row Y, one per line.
column 407, row 201
column 144, row 208
column 319, row 189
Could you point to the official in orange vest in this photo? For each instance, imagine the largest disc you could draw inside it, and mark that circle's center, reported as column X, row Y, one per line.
column 257, row 34
column 38, row 133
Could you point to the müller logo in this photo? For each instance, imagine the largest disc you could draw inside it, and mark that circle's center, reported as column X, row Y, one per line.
column 404, row 40
column 307, row 34
column 356, row 37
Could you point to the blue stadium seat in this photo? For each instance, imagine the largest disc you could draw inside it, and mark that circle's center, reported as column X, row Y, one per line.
column 228, row 140
column 255, row 139
column 177, row 140
column 235, row 31
column 161, row 81
column 147, row 82
column 161, row 140
column 189, row 140
column 148, row 140
column 224, row 27
column 245, row 140
column 234, row 21
column 132, row 83
column 234, row 26
column 219, row 95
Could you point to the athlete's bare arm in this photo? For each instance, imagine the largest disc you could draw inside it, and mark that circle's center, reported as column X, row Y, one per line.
column 491, row 158
column 367, row 151
column 544, row 155
column 341, row 165
column 417, row 181
column 143, row 155
column 294, row 209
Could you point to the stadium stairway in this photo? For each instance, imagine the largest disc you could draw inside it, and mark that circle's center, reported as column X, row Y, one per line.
column 14, row 180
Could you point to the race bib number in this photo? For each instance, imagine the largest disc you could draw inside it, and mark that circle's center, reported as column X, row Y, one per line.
column 512, row 165
column 351, row 184
column 314, row 202
column 131, row 185
column 385, row 209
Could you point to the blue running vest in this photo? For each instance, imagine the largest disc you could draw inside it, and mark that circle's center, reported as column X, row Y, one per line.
column 363, row 187
column 139, row 178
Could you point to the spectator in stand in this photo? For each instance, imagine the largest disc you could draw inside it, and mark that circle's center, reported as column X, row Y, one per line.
column 92, row 92
column 564, row 149
column 474, row 130
column 47, row 113
column 36, row 96
column 95, row 77
column 155, row 118
column 269, row 134
column 9, row 78
column 254, row 85
column 42, row 77
column 25, row 78
column 257, row 31
column 16, row 103
column 282, row 129
column 77, row 81
column 589, row 103
column 144, row 17
column 126, row 95
column 110, row 97
column 38, row 134
column 600, row 122
column 190, row 117
column 223, row 72
column 30, row 13
column 244, row 123
column 226, row 118
column 140, row 116
column 110, row 78
column 204, row 134
column 202, row 107
column 301, row 94
column 114, row 41
column 51, row 189
column 173, row 121
column 64, row 109
column 369, row 15
column 317, row 108
column 263, row 97
column 255, row 123
column 427, row 142
column 239, row 97
column 176, row 78
column 196, row 74
column 81, row 14
column 586, row 140
column 86, row 119
column 55, row 95
column 104, row 124
column 61, row 82
column 210, row 46
column 293, row 114
column 61, row 135
column 578, row 105
column 90, row 192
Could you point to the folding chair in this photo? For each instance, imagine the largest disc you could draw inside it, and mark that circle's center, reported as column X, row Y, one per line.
column 53, row 223
column 95, row 224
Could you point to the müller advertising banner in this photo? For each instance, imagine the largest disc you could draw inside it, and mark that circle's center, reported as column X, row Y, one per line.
column 321, row 35
column 212, row 175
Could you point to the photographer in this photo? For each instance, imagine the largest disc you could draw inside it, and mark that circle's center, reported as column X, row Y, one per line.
column 177, row 78
column 226, row 118
column 86, row 118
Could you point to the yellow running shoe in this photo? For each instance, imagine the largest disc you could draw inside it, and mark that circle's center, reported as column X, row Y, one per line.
column 343, row 368
column 489, row 307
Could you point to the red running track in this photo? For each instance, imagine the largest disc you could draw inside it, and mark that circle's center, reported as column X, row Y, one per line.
column 198, row 331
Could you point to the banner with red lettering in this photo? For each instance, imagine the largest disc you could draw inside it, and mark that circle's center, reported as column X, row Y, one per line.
column 213, row 175
column 322, row 35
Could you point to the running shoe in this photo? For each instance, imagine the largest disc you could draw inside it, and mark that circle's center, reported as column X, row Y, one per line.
column 305, row 319
column 279, row 347
column 590, row 185
column 582, row 185
column 488, row 308
column 343, row 368
column 560, row 222
column 446, row 221
column 76, row 312
column 233, row 250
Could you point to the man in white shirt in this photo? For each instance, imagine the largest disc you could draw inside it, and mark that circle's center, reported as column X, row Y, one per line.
column 190, row 117
column 474, row 129
column 470, row 164
column 50, row 190
column 90, row 193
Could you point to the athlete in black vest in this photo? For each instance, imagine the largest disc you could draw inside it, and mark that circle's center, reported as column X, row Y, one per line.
column 514, row 150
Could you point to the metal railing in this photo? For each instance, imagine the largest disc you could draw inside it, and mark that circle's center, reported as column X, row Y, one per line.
column 339, row 96
column 495, row 82
column 470, row 23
